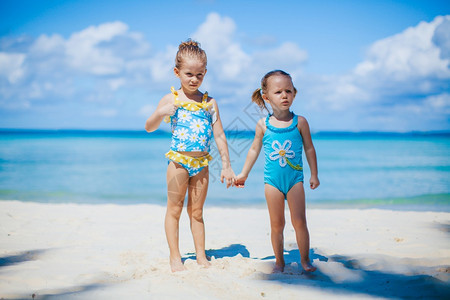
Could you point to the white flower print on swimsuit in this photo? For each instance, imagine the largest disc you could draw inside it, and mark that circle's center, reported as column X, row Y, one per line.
column 193, row 137
column 197, row 126
column 202, row 140
column 282, row 152
column 181, row 147
column 181, row 133
column 185, row 116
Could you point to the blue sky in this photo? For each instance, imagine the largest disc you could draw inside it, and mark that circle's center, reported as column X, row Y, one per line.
column 358, row 65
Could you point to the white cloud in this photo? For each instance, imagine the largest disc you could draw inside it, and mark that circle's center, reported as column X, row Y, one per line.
column 90, row 64
column 333, row 93
column 87, row 51
column 48, row 45
column 216, row 33
column 404, row 77
column 441, row 38
column 12, row 66
column 439, row 102
column 84, row 52
column 409, row 55
column 225, row 56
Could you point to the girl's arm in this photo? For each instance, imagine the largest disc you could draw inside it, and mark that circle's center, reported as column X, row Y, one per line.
column 310, row 151
column 222, row 145
column 252, row 154
column 166, row 107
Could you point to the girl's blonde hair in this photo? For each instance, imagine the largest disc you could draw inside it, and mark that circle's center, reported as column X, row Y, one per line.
column 257, row 94
column 189, row 49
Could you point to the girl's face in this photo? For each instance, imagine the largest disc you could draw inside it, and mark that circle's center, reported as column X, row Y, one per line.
column 280, row 92
column 191, row 74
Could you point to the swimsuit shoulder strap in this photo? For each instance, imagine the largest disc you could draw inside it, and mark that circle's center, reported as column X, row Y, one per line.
column 175, row 94
column 294, row 120
column 267, row 121
column 205, row 97
column 205, row 104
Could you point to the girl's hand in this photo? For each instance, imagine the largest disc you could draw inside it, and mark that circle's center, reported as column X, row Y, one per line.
column 240, row 181
column 228, row 175
column 314, row 182
column 168, row 109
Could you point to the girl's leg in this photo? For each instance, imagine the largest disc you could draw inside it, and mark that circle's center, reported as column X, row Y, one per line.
column 177, row 181
column 297, row 207
column 275, row 204
column 197, row 190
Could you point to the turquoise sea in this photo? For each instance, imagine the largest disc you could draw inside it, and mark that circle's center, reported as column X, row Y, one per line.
column 385, row 170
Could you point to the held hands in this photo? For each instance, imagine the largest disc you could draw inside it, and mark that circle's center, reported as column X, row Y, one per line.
column 240, row 181
column 228, row 175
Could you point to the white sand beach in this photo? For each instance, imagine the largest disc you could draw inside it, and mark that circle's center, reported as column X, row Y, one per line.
column 69, row 251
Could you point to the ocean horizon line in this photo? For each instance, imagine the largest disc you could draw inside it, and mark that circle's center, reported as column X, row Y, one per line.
column 231, row 133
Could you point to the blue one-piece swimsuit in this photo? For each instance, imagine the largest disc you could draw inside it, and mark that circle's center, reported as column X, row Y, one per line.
column 283, row 166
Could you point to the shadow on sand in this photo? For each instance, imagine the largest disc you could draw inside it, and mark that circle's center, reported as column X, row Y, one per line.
column 229, row 251
column 20, row 257
column 59, row 293
column 343, row 274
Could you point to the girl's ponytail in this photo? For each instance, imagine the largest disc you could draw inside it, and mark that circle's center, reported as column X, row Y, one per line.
column 258, row 99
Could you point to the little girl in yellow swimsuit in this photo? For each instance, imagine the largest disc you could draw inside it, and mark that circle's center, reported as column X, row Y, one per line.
column 283, row 135
column 194, row 118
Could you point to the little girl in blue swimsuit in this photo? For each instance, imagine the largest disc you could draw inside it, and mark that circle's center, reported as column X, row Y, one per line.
column 283, row 135
column 194, row 119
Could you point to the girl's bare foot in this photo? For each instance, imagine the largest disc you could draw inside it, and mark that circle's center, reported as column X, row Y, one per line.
column 279, row 268
column 176, row 265
column 308, row 267
column 203, row 262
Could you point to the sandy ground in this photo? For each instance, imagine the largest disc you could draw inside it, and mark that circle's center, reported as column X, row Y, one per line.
column 68, row 251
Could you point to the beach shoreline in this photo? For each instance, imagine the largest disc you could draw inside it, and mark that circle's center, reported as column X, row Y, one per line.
column 115, row 251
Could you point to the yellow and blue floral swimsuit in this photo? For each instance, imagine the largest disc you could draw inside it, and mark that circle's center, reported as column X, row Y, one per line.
column 283, row 166
column 191, row 132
